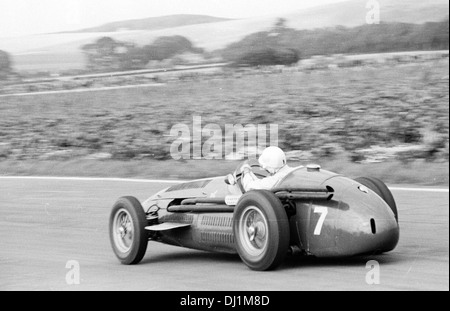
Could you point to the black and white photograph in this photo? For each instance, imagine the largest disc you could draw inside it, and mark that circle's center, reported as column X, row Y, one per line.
column 225, row 151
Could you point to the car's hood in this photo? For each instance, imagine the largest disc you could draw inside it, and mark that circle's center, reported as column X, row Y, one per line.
column 202, row 188
column 309, row 177
column 302, row 177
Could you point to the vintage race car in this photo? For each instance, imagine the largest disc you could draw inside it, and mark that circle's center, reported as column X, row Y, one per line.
column 311, row 211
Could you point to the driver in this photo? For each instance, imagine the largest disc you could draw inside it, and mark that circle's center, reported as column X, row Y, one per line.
column 273, row 160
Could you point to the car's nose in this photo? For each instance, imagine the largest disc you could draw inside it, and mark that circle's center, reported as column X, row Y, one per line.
column 367, row 225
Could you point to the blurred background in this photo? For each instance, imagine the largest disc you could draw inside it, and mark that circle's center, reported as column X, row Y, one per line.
column 94, row 89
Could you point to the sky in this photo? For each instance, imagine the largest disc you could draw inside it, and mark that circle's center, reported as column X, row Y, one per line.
column 22, row 17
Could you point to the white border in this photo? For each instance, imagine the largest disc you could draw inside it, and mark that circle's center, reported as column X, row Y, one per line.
column 412, row 189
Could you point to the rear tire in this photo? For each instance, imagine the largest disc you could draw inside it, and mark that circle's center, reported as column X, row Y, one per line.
column 261, row 230
column 127, row 232
column 380, row 188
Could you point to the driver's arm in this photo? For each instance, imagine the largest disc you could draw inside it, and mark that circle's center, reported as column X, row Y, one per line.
column 251, row 182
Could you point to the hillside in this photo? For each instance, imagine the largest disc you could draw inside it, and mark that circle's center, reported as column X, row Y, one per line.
column 353, row 13
column 34, row 52
column 349, row 13
column 155, row 23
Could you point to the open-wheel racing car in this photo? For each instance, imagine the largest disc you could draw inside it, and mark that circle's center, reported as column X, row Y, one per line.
column 316, row 212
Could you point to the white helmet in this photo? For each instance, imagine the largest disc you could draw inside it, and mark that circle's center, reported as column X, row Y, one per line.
column 272, row 159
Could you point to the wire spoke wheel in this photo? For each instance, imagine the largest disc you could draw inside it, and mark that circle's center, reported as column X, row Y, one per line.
column 253, row 228
column 127, row 230
column 123, row 230
column 261, row 230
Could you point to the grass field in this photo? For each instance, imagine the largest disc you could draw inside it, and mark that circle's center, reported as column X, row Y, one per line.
column 330, row 113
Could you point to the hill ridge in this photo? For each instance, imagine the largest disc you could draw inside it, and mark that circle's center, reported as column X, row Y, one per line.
column 153, row 23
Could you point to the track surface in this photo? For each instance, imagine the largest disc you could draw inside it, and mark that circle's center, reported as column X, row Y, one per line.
column 46, row 223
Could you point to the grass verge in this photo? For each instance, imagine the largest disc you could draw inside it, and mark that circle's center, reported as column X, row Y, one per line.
column 414, row 173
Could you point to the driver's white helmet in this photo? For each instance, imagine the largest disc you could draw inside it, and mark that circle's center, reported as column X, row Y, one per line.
column 272, row 159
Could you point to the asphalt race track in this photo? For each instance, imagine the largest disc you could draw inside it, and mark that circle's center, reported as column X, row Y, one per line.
column 46, row 224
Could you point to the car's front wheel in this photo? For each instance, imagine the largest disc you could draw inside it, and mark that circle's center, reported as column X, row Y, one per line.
column 127, row 232
column 261, row 230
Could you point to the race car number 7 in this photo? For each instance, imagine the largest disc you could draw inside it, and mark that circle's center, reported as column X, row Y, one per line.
column 323, row 211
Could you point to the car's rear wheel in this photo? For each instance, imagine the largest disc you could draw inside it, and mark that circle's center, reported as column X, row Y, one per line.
column 261, row 230
column 380, row 188
column 127, row 232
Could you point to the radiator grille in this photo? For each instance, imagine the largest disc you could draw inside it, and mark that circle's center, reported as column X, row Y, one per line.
column 217, row 237
column 178, row 218
column 216, row 221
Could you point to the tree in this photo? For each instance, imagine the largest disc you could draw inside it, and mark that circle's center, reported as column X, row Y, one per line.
column 167, row 47
column 135, row 58
column 392, row 37
column 269, row 57
column 281, row 23
column 106, row 46
column 107, row 54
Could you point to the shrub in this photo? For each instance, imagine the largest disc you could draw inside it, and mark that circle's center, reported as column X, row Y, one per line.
column 167, row 47
column 268, row 57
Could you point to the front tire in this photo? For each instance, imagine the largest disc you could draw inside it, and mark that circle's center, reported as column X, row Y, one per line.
column 127, row 232
column 261, row 230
